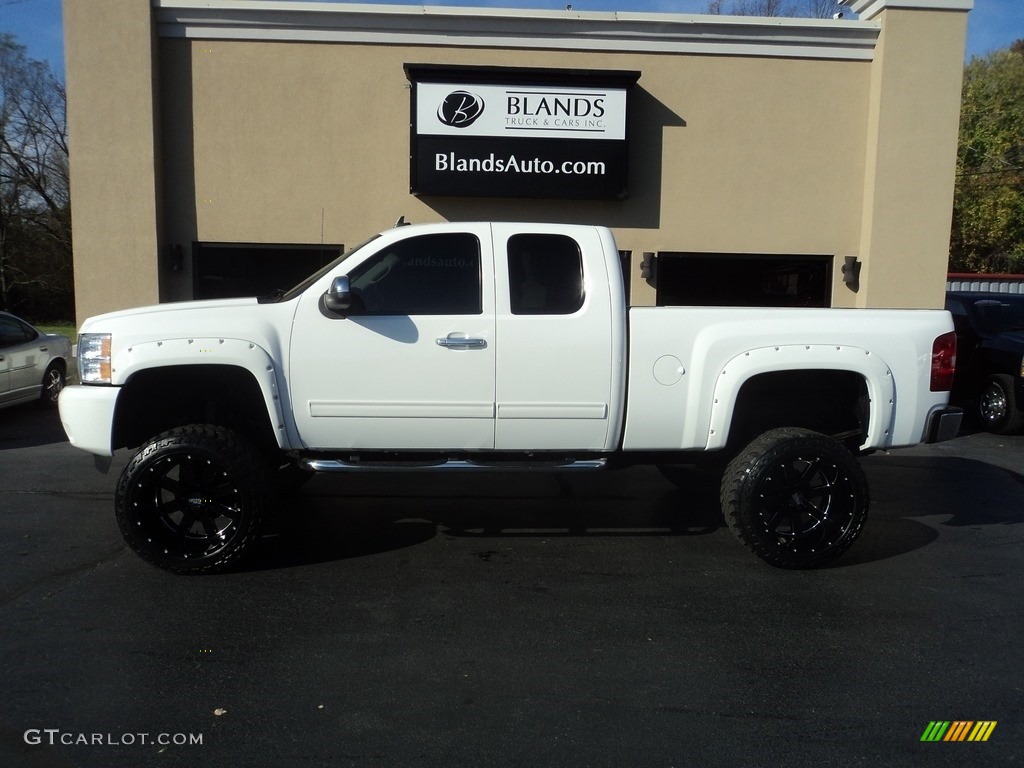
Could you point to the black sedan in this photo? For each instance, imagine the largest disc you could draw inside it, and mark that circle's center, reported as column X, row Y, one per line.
column 990, row 358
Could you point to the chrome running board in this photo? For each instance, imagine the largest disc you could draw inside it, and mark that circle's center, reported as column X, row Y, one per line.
column 451, row 465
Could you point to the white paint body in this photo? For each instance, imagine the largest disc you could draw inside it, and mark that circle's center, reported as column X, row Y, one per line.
column 534, row 383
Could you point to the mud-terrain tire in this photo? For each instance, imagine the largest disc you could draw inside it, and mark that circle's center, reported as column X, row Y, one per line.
column 795, row 498
column 191, row 500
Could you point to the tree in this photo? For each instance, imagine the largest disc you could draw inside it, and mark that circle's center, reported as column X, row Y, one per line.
column 35, row 208
column 988, row 207
column 817, row 9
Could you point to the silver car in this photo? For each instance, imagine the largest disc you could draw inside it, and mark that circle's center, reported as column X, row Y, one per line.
column 33, row 364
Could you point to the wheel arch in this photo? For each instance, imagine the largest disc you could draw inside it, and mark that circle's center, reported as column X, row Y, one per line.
column 156, row 399
column 58, row 362
column 825, row 388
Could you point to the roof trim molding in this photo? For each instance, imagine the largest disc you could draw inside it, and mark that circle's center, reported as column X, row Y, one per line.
column 869, row 9
column 508, row 28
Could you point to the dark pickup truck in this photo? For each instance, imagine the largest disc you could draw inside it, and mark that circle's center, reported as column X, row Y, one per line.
column 989, row 377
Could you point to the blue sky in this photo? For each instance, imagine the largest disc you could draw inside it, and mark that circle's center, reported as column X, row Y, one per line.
column 991, row 25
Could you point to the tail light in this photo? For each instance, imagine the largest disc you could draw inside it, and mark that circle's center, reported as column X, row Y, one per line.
column 943, row 362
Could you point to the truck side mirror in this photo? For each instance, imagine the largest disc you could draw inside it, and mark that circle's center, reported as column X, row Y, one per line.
column 339, row 296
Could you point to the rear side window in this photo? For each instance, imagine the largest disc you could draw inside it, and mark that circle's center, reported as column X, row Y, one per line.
column 14, row 332
column 425, row 275
column 999, row 314
column 545, row 274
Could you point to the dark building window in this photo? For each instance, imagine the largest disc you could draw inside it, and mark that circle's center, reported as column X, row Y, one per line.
column 743, row 280
column 230, row 270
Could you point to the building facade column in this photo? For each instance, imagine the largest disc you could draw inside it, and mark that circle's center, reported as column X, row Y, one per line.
column 913, row 124
column 111, row 118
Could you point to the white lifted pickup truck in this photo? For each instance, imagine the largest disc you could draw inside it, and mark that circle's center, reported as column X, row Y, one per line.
column 497, row 346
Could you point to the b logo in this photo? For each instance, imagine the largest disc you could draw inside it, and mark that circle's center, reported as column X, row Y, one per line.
column 460, row 109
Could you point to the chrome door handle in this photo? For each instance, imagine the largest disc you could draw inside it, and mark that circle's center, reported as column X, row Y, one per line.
column 460, row 341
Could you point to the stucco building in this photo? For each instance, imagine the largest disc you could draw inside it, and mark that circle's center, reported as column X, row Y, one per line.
column 220, row 148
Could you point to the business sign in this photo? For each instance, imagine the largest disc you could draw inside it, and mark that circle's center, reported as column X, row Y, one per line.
column 539, row 140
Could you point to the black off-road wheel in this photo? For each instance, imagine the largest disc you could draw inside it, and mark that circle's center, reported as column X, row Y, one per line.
column 795, row 498
column 191, row 500
column 998, row 410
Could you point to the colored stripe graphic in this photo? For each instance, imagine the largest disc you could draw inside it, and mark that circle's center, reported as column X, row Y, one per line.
column 982, row 730
column 935, row 731
column 958, row 730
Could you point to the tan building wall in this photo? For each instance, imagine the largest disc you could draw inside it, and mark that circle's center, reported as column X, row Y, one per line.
column 115, row 208
column 793, row 137
column 913, row 112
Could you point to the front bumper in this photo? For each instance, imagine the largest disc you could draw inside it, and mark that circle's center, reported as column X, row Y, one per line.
column 87, row 415
column 943, row 424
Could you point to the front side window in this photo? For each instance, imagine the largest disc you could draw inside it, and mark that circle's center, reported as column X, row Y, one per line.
column 545, row 275
column 425, row 275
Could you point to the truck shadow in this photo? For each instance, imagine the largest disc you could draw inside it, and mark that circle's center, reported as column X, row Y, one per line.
column 340, row 517
column 343, row 517
column 29, row 426
column 916, row 498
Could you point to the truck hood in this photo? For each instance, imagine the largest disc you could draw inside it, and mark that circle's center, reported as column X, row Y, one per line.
column 98, row 323
column 241, row 319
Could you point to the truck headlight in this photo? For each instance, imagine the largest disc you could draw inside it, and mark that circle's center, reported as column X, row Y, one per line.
column 94, row 358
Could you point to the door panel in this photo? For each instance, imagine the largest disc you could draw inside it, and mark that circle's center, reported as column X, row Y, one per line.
column 19, row 351
column 412, row 367
column 554, row 362
column 25, row 371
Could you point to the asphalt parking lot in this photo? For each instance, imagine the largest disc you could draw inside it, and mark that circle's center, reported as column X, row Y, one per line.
column 513, row 620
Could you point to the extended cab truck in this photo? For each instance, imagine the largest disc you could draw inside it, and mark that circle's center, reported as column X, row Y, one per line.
column 497, row 346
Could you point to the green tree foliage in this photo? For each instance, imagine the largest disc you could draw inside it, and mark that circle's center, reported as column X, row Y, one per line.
column 988, row 207
column 35, row 208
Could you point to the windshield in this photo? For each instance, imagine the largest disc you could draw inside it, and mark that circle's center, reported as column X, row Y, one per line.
column 291, row 293
column 995, row 315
